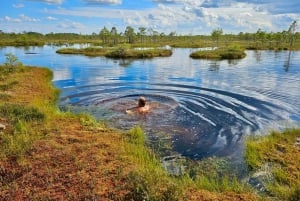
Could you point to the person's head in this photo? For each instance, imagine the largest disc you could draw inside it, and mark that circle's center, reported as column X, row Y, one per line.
column 142, row 101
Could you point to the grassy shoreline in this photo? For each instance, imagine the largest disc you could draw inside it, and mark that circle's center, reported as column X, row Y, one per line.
column 47, row 154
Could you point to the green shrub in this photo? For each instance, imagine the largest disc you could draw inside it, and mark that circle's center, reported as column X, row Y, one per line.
column 136, row 136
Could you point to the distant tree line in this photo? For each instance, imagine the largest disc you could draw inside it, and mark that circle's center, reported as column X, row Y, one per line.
column 144, row 36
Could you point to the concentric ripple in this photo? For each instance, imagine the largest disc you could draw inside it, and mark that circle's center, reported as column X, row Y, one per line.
column 199, row 122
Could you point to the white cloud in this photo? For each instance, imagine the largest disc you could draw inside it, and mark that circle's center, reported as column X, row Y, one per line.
column 49, row 1
column 184, row 17
column 91, row 12
column 197, row 2
column 18, row 5
column 50, row 18
column 166, row 1
column 22, row 18
column 71, row 25
column 25, row 18
column 9, row 19
column 114, row 2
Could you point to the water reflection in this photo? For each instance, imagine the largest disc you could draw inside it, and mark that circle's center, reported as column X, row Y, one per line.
column 214, row 65
column 200, row 108
column 257, row 54
column 287, row 62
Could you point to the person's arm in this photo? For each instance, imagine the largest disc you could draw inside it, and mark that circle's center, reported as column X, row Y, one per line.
column 129, row 111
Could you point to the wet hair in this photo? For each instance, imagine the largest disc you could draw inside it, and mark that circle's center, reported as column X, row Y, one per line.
column 142, row 101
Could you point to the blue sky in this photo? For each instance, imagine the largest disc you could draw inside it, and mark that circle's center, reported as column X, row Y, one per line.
column 181, row 16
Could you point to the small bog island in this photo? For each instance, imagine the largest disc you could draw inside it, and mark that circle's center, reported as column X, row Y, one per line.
column 118, row 53
column 220, row 53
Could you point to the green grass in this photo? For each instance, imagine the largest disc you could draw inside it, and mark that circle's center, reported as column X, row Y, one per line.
column 17, row 143
column 148, row 181
column 15, row 113
column 219, row 54
column 20, row 119
column 18, row 139
column 281, row 154
column 138, row 54
column 89, row 51
column 216, row 174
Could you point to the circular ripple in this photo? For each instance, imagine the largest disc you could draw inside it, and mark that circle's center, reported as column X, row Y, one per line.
column 197, row 122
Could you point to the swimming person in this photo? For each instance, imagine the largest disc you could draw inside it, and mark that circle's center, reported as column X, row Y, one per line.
column 141, row 108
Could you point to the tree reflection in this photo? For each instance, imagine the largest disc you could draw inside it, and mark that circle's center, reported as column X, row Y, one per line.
column 257, row 55
column 125, row 62
column 286, row 64
column 214, row 66
column 233, row 62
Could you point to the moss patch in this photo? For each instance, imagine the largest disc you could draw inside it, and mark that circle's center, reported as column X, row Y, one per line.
column 281, row 153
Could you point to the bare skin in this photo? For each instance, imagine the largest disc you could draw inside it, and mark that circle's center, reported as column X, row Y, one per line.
column 141, row 108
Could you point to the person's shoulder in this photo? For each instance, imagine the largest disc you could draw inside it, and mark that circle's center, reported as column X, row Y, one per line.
column 144, row 109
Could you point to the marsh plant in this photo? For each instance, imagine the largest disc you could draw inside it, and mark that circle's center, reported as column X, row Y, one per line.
column 12, row 62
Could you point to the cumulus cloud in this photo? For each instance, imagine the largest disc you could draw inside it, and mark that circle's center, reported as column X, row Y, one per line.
column 49, row 1
column 112, row 2
column 186, row 16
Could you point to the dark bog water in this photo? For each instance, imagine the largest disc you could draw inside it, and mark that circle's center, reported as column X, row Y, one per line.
column 200, row 108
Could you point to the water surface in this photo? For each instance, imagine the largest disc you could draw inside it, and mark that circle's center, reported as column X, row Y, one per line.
column 200, row 108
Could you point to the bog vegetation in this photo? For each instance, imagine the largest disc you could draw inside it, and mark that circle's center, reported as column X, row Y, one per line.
column 118, row 52
column 220, row 53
